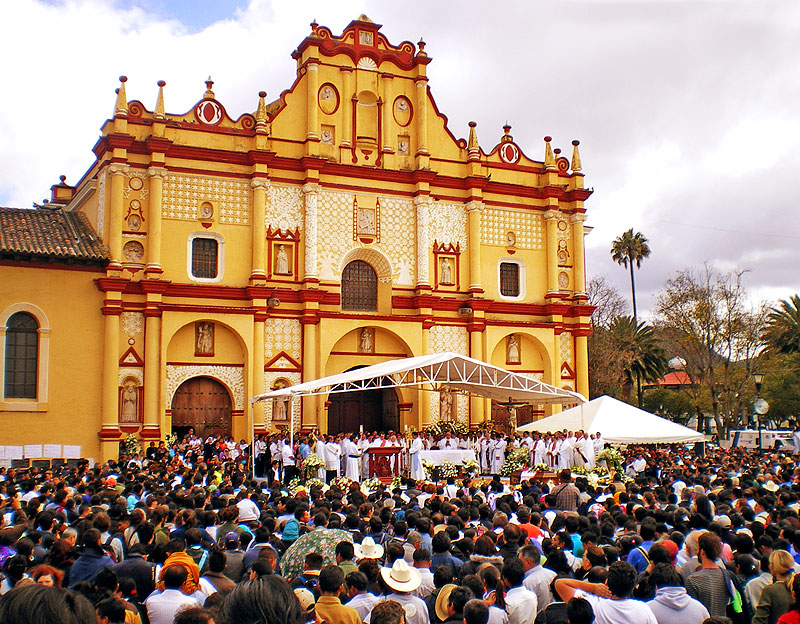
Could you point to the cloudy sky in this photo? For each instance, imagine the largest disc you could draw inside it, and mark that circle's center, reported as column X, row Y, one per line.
column 687, row 111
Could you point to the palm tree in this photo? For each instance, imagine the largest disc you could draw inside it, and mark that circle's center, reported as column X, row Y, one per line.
column 628, row 249
column 782, row 334
column 645, row 359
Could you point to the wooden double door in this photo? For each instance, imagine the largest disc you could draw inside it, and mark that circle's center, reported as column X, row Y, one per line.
column 376, row 410
column 204, row 404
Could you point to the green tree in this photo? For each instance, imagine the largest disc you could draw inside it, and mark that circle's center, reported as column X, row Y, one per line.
column 706, row 317
column 628, row 249
column 646, row 360
column 782, row 333
column 667, row 403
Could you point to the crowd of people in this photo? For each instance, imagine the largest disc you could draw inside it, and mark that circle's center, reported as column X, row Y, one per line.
column 184, row 537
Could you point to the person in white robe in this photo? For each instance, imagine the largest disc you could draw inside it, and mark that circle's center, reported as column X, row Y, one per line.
column 483, row 453
column 394, row 460
column 498, row 455
column 552, row 452
column 332, row 454
column 417, row 471
column 363, row 446
column 599, row 444
column 448, row 442
column 539, row 451
column 579, row 450
column 352, row 456
column 590, row 456
column 565, row 454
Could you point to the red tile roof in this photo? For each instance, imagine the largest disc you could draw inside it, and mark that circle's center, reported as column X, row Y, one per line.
column 46, row 233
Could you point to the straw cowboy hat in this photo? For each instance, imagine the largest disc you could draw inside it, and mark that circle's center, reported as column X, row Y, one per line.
column 400, row 577
column 443, row 600
column 368, row 549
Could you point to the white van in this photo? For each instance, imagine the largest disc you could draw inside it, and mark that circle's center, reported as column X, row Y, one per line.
column 770, row 439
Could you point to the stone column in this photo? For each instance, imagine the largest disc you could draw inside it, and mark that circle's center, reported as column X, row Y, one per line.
column 110, row 398
column 474, row 210
column 346, row 106
column 551, row 241
column 258, row 382
column 578, row 265
column 422, row 202
column 388, row 102
column 582, row 365
column 260, row 187
column 421, row 114
column 157, row 175
column 312, row 117
column 116, row 209
column 152, row 375
column 311, row 194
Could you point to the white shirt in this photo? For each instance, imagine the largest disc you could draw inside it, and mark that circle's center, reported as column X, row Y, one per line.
column 521, row 605
column 287, row 455
column 161, row 608
column 415, row 608
column 426, row 587
column 608, row 611
column 363, row 604
column 538, row 580
column 248, row 510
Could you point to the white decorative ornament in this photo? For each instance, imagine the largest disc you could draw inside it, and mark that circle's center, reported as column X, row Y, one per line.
column 524, row 224
column 132, row 323
column 231, row 376
column 183, row 195
column 367, row 64
column 284, row 207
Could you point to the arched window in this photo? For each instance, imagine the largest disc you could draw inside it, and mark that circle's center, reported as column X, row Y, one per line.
column 22, row 356
column 359, row 287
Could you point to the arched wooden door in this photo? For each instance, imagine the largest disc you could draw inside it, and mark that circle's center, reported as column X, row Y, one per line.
column 376, row 410
column 204, row 404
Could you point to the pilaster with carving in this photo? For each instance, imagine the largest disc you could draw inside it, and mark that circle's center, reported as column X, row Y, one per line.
column 422, row 202
column 116, row 210
column 260, row 187
column 474, row 212
column 551, row 244
column 579, row 268
column 157, row 175
column 311, row 213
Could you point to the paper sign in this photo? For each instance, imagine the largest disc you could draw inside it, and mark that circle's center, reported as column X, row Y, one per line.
column 13, row 452
column 52, row 450
column 72, row 452
column 33, row 450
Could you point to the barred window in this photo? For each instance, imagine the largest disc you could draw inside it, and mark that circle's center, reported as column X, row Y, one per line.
column 22, row 356
column 359, row 287
column 204, row 257
column 509, row 279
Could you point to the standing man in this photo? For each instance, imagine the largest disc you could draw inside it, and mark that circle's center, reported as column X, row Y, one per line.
column 417, row 471
column 261, row 457
column 332, row 454
column 498, row 454
column 352, row 455
column 288, row 460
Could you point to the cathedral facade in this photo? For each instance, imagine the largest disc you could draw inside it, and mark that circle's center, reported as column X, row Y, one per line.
column 206, row 257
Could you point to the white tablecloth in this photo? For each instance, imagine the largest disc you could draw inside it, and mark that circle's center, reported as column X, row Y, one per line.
column 457, row 457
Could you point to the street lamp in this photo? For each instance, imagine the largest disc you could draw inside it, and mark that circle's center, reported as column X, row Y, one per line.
column 760, row 406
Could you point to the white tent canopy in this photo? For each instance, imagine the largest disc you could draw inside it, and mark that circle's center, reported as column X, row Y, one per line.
column 439, row 371
column 618, row 422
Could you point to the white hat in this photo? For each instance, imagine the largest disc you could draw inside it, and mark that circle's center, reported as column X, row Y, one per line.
column 305, row 598
column 368, row 549
column 771, row 486
column 400, row 577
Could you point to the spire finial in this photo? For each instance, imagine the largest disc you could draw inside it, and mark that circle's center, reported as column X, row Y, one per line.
column 209, row 94
column 549, row 159
column 473, row 148
column 576, row 157
column 159, row 112
column 121, row 106
column 506, row 138
column 421, row 45
column 314, row 26
column 261, row 113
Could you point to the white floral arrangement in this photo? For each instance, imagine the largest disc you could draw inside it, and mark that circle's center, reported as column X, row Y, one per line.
column 170, row 439
column 370, row 485
column 612, row 457
column 448, row 470
column 312, row 464
column 312, row 483
column 342, row 483
column 132, row 444
column 471, row 466
column 542, row 467
column 396, row 482
column 515, row 460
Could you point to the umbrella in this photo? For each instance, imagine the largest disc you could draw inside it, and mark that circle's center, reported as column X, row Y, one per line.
column 321, row 541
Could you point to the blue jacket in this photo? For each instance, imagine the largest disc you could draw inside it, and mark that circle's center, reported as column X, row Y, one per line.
column 89, row 562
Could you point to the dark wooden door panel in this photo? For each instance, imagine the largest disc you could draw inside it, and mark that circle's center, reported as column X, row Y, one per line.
column 202, row 403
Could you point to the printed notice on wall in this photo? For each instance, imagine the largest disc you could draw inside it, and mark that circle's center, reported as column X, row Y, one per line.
column 72, row 452
column 52, row 450
column 13, row 452
column 33, row 450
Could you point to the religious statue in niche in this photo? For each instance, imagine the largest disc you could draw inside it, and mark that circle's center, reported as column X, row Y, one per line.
column 446, row 272
column 204, row 338
column 326, row 136
column 279, row 404
column 282, row 261
column 133, row 251
column 206, row 210
column 129, row 411
column 563, row 281
column 512, row 350
column 445, row 405
column 326, row 94
column 402, row 146
column 366, row 221
column 366, row 341
column 134, row 223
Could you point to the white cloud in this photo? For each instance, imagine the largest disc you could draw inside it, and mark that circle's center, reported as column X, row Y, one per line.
column 686, row 111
